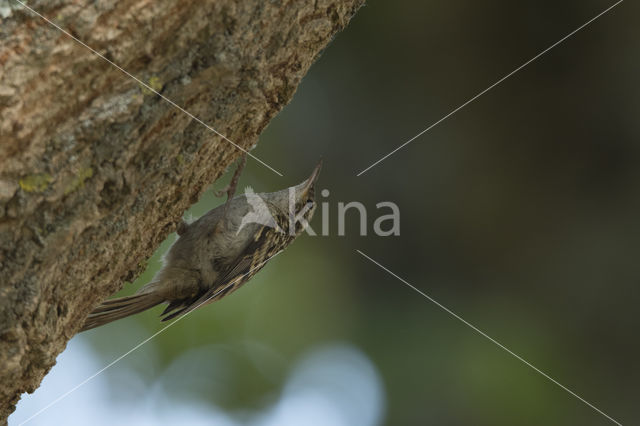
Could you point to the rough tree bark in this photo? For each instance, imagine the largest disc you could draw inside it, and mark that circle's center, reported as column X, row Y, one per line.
column 96, row 170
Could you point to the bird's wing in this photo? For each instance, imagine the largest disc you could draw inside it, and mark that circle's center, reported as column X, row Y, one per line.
column 246, row 265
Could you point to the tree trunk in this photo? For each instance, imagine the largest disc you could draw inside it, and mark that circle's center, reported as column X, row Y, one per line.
column 96, row 169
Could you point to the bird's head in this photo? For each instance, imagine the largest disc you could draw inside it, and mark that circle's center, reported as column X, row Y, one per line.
column 298, row 200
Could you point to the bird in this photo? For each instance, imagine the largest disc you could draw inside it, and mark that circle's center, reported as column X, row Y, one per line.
column 219, row 252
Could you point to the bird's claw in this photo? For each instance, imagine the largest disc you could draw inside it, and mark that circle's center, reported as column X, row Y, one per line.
column 230, row 189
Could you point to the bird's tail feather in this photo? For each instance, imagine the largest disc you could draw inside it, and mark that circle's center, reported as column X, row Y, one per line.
column 120, row 307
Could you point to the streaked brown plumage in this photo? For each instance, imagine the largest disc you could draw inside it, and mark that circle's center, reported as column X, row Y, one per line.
column 218, row 253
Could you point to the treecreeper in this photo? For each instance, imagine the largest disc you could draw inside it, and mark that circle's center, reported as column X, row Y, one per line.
column 216, row 254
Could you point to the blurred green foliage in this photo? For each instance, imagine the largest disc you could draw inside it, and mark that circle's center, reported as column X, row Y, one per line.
column 519, row 213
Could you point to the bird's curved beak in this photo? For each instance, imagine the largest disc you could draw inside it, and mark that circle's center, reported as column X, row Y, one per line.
column 309, row 183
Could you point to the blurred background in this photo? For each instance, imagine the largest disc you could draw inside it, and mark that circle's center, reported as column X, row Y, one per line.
column 519, row 213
